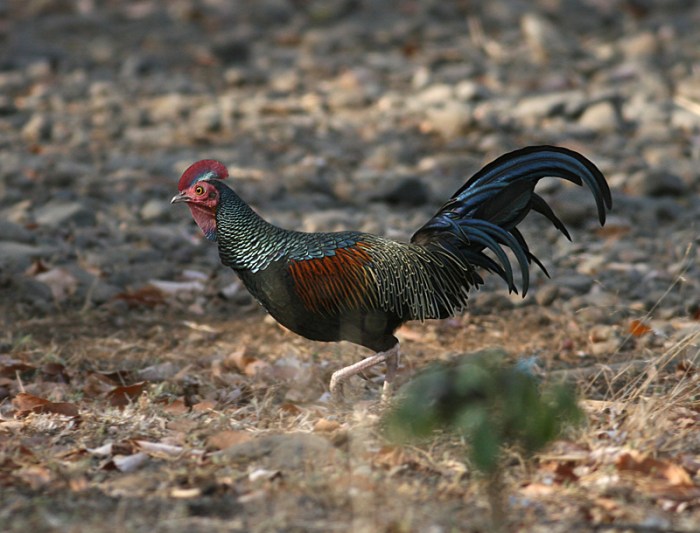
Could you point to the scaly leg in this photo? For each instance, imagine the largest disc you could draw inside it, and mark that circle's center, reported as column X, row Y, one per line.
column 391, row 357
column 392, row 365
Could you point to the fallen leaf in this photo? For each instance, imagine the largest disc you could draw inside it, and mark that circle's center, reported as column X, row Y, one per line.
column 55, row 372
column 173, row 288
column 37, row 267
column 160, row 448
column 28, row 403
column 10, row 368
column 262, row 473
column 290, row 408
column 674, row 474
column 184, row 494
column 79, row 484
column 227, row 438
column 638, row 328
column 204, row 405
column 608, row 504
column 176, row 407
column 129, row 463
column 323, row 425
column 119, row 377
column 389, row 456
column 247, row 364
column 563, row 471
column 61, row 282
column 36, row 476
column 147, row 296
column 534, row 490
column 102, row 451
column 123, row 396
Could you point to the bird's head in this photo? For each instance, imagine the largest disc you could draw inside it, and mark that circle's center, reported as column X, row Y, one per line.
column 198, row 189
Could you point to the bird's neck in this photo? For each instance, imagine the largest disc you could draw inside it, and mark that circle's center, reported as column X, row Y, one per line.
column 246, row 241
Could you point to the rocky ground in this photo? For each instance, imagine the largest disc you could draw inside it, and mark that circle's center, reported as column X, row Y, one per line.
column 331, row 115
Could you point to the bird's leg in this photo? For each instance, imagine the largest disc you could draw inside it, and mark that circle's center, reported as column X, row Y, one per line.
column 339, row 377
column 392, row 365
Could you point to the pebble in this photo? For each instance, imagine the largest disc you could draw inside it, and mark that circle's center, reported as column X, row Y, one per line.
column 546, row 294
column 37, row 129
column 449, row 119
column 533, row 108
column 657, row 183
column 9, row 231
column 601, row 117
column 60, row 214
column 155, row 209
column 17, row 257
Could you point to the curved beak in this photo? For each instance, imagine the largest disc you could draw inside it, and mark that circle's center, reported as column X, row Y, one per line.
column 179, row 198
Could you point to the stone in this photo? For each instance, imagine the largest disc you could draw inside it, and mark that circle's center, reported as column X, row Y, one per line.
column 410, row 191
column 37, row 129
column 601, row 117
column 657, row 183
column 17, row 257
column 450, row 119
column 155, row 209
column 10, row 231
column 57, row 214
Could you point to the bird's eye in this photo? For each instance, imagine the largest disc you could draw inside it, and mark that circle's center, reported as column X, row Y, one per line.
column 199, row 190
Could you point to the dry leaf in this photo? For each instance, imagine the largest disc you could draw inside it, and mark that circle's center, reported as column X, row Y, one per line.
column 184, row 494
column 11, row 368
column 290, row 408
column 28, row 403
column 176, row 407
column 204, row 405
column 55, row 372
column 674, row 474
column 61, row 282
column 262, row 473
column 36, row 476
column 129, row 463
column 246, row 364
column 638, row 328
column 147, row 296
column 102, row 451
column 389, row 456
column 226, row 439
column 534, row 490
column 78, row 484
column 563, row 471
column 323, row 425
column 123, row 396
column 160, row 448
column 173, row 288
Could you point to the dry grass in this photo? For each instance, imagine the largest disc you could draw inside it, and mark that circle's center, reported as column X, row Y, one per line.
column 200, row 448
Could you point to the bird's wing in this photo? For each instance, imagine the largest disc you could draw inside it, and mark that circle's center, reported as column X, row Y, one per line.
column 412, row 282
column 337, row 279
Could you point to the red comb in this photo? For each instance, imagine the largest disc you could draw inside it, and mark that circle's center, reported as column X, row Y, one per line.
column 206, row 168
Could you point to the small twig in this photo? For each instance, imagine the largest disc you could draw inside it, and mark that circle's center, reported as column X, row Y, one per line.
column 686, row 103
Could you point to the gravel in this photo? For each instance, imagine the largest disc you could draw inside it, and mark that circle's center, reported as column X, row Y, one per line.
column 343, row 115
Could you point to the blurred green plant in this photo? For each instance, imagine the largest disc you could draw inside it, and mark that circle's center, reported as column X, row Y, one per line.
column 491, row 404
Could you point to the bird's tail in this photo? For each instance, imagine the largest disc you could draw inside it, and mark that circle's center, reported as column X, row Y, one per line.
column 484, row 213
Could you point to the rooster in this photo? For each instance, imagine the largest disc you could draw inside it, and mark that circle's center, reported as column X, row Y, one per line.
column 361, row 287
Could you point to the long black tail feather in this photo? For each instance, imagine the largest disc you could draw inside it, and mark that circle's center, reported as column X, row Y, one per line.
column 484, row 212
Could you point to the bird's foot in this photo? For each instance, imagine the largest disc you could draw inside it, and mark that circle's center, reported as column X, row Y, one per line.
column 339, row 377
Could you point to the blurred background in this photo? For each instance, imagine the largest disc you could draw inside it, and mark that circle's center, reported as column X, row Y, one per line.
column 334, row 114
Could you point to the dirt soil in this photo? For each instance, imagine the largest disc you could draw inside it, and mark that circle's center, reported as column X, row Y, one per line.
column 141, row 387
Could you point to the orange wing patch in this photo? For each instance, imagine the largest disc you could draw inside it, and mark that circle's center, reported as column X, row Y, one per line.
column 333, row 282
